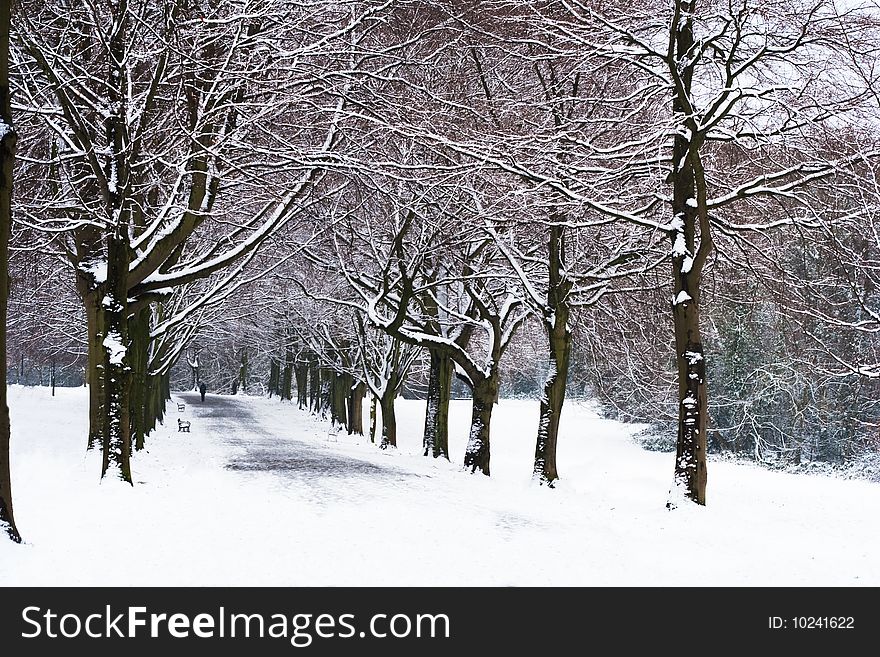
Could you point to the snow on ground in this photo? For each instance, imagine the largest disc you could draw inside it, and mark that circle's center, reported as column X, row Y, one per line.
column 260, row 493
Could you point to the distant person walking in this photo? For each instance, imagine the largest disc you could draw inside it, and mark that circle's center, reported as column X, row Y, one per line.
column 202, row 389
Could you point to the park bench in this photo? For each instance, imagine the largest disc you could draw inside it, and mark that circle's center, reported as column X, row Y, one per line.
column 181, row 407
column 182, row 425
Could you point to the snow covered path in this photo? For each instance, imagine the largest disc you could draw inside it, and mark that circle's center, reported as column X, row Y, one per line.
column 260, row 493
column 260, row 450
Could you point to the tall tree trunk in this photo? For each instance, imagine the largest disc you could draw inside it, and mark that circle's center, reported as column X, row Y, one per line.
column 243, row 371
column 274, row 375
column 341, row 388
column 114, row 298
column 139, row 330
column 117, row 380
column 326, row 396
column 163, row 394
column 559, row 344
column 356, row 408
column 159, row 404
column 8, row 141
column 94, row 372
column 551, row 404
column 314, row 386
column 389, row 419
column 151, row 402
column 485, row 394
column 287, row 378
column 436, row 437
column 690, row 452
column 301, row 372
column 334, row 398
column 372, row 418
column 689, row 208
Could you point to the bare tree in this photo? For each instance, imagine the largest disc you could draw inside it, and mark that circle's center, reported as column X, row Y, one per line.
column 7, row 153
column 136, row 186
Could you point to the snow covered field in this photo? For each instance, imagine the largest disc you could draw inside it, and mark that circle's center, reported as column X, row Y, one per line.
column 260, row 493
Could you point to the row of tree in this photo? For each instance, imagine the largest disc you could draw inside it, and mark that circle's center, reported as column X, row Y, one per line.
column 659, row 191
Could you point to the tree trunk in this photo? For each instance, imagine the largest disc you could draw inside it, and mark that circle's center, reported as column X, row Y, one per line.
column 117, row 380
column 559, row 344
column 139, row 330
column 113, row 299
column 154, row 393
column 476, row 456
column 314, row 387
column 159, row 408
column 94, row 373
column 151, row 403
column 436, row 437
column 372, row 418
column 389, row 420
column 243, row 371
column 356, row 408
column 287, row 378
column 688, row 257
column 163, row 394
column 7, row 161
column 326, row 396
column 301, row 372
column 341, row 388
column 551, row 403
column 334, row 398
column 273, row 378
column 690, row 453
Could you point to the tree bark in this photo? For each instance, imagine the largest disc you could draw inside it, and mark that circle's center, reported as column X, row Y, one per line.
column 356, row 408
column 274, row 377
column 314, row 387
column 162, row 385
column 485, row 394
column 8, row 141
column 436, row 436
column 287, row 377
column 688, row 257
column 113, row 301
column 690, row 453
column 556, row 322
column 551, row 405
column 389, row 420
column 139, row 330
column 243, row 371
column 326, row 396
column 94, row 372
column 341, row 389
column 152, row 395
column 372, row 418
column 301, row 372
column 117, row 380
